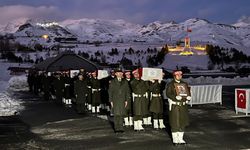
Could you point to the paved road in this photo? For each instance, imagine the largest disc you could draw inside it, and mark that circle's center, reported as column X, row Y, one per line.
column 44, row 125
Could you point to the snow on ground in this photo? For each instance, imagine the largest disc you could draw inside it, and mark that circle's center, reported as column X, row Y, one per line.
column 9, row 83
column 9, row 106
column 18, row 83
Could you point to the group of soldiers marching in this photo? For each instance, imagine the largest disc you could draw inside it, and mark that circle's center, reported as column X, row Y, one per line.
column 131, row 100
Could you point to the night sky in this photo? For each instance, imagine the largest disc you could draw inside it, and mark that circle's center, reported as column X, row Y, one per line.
column 135, row 11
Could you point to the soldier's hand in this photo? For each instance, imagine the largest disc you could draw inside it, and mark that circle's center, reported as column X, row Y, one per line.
column 111, row 103
column 178, row 97
column 126, row 103
column 189, row 98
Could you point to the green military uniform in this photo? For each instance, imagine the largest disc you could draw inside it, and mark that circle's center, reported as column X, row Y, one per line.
column 96, row 94
column 129, row 109
column 80, row 89
column 67, row 85
column 178, row 115
column 119, row 92
column 45, row 80
column 59, row 87
column 156, row 105
column 140, row 95
column 156, row 102
column 89, row 92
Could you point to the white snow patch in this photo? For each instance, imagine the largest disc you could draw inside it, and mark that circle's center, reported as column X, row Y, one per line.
column 18, row 83
column 9, row 106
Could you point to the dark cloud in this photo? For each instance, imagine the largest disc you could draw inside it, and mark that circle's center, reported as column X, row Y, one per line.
column 136, row 11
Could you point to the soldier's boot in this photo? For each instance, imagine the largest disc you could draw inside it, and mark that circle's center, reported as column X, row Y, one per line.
column 180, row 137
column 89, row 107
column 93, row 109
column 102, row 107
column 136, row 126
column 70, row 101
column 175, row 138
column 108, row 108
column 162, row 126
column 126, row 122
column 156, row 124
column 130, row 121
column 98, row 109
column 149, row 121
column 140, row 125
column 145, row 121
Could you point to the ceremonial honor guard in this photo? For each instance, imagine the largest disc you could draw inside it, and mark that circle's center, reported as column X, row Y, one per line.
column 140, row 100
column 96, row 93
column 178, row 94
column 81, row 91
column 156, row 104
column 128, row 119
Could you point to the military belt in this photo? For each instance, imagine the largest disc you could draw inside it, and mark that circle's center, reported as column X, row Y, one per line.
column 179, row 103
column 96, row 90
column 156, row 95
column 67, row 85
column 89, row 87
column 139, row 95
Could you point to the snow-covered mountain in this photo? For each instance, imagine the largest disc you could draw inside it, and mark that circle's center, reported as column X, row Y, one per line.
column 104, row 30
column 12, row 27
column 236, row 35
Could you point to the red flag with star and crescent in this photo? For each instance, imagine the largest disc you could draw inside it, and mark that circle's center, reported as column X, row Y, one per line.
column 241, row 99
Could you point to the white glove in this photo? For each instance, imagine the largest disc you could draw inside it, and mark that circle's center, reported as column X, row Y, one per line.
column 189, row 98
column 178, row 97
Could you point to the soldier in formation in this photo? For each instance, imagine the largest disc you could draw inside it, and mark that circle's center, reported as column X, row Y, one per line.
column 134, row 101
column 119, row 95
column 81, row 93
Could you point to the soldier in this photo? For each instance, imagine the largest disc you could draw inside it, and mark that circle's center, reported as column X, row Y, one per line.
column 89, row 97
column 128, row 120
column 30, row 81
column 59, row 87
column 80, row 89
column 178, row 110
column 96, row 93
column 156, row 104
column 140, row 104
column 67, row 88
column 119, row 95
column 45, row 80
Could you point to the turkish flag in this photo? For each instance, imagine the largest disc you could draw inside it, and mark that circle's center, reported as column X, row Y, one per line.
column 189, row 30
column 241, row 99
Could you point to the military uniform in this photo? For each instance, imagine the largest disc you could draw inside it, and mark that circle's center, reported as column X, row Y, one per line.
column 156, row 104
column 59, row 87
column 45, row 80
column 140, row 102
column 119, row 93
column 96, row 94
column 129, row 109
column 89, row 93
column 178, row 112
column 80, row 89
column 67, row 89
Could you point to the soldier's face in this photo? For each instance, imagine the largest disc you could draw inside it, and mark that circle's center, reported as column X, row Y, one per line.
column 178, row 77
column 128, row 76
column 119, row 74
column 80, row 77
column 136, row 75
column 94, row 75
